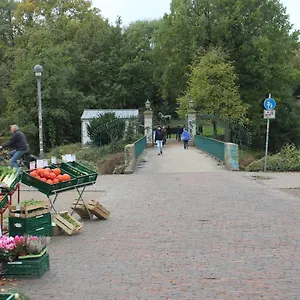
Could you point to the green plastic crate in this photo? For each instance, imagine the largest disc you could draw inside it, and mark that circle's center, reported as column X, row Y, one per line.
column 42, row 230
column 4, row 202
column 7, row 296
column 48, row 189
column 84, row 174
column 30, row 267
column 27, row 223
column 39, row 225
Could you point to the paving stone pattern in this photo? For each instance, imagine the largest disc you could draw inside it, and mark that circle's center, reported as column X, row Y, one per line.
column 181, row 227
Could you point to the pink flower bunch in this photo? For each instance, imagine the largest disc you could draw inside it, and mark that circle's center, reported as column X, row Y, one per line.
column 19, row 240
column 7, row 243
column 7, row 248
column 12, row 247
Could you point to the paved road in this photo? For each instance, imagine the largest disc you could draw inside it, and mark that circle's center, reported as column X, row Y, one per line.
column 179, row 229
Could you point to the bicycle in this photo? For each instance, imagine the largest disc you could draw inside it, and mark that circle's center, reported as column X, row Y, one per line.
column 23, row 162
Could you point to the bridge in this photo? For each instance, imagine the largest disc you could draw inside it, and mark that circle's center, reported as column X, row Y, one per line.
column 182, row 226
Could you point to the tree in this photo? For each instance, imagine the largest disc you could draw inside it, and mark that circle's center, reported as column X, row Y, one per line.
column 212, row 85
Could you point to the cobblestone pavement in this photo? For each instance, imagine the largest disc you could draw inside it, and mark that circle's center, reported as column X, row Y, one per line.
column 179, row 231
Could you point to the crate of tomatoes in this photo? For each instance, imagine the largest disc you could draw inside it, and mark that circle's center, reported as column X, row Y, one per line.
column 49, row 180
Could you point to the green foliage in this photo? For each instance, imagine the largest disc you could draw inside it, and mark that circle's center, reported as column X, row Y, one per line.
column 212, row 85
column 106, row 129
column 100, row 121
column 287, row 160
column 89, row 63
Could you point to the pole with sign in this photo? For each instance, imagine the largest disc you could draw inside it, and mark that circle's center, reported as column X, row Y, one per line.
column 269, row 113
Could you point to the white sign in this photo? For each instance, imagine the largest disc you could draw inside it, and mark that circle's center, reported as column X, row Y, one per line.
column 53, row 160
column 269, row 114
column 40, row 163
column 32, row 165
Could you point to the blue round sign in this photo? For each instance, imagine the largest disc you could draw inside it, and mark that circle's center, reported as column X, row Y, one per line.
column 269, row 103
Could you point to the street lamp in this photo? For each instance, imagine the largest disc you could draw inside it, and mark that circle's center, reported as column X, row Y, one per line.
column 148, row 105
column 191, row 104
column 38, row 70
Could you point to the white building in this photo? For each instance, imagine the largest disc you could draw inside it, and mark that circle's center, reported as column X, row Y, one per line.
column 89, row 114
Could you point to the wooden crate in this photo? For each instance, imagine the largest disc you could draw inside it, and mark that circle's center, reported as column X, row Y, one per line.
column 98, row 210
column 29, row 211
column 65, row 225
column 94, row 207
column 81, row 210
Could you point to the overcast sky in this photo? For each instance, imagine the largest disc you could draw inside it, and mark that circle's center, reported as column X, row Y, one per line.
column 133, row 10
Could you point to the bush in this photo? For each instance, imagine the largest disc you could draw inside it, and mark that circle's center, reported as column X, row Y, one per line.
column 65, row 149
column 287, row 160
column 104, row 128
column 110, row 163
column 248, row 157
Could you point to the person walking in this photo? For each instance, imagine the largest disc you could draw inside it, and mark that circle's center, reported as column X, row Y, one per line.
column 19, row 145
column 185, row 138
column 178, row 133
column 169, row 132
column 159, row 138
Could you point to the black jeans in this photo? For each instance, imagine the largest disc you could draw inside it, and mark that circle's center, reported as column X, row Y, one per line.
column 186, row 144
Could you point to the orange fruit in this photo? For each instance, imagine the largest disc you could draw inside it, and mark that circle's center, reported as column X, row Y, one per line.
column 60, row 178
column 56, row 171
column 52, row 176
column 66, row 177
column 33, row 173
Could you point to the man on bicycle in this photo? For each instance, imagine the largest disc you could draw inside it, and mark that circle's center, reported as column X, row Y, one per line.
column 17, row 142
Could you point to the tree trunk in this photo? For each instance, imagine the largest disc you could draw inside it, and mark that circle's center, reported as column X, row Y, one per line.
column 214, row 123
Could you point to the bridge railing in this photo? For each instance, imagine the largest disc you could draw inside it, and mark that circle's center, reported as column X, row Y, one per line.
column 132, row 153
column 225, row 152
column 140, row 146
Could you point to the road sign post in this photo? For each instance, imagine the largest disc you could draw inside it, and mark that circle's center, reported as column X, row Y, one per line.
column 269, row 113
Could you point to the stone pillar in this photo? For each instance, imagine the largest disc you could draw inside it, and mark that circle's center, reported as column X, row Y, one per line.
column 232, row 156
column 192, row 124
column 148, row 127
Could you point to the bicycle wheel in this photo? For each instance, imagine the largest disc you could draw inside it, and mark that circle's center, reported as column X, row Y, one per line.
column 3, row 162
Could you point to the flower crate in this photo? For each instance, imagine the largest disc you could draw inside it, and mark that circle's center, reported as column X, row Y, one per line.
column 30, row 267
column 33, row 255
column 29, row 211
column 94, row 207
column 67, row 223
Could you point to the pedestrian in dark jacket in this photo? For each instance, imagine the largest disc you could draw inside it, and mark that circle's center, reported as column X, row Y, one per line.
column 19, row 145
column 165, row 135
column 159, row 138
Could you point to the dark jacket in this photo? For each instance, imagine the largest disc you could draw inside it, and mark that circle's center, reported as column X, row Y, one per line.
column 159, row 135
column 18, row 141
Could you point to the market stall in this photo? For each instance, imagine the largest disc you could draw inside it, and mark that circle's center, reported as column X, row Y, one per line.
column 58, row 178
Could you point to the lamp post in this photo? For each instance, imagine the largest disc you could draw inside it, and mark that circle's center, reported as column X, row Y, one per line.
column 38, row 70
column 191, row 104
column 148, row 105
